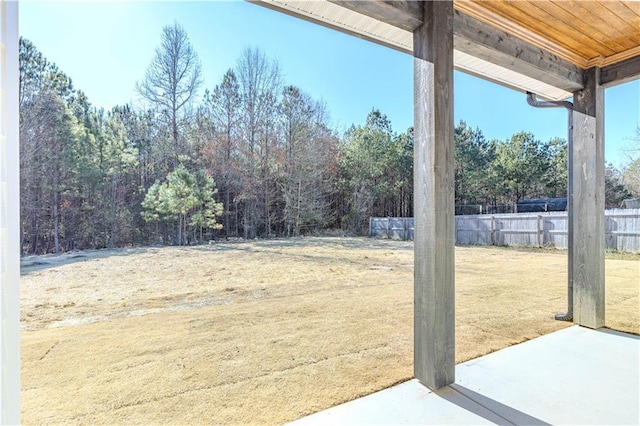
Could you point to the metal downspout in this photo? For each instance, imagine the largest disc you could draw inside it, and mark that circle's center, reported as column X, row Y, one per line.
column 531, row 100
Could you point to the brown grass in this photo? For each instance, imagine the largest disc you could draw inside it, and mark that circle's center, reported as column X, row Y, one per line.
column 264, row 332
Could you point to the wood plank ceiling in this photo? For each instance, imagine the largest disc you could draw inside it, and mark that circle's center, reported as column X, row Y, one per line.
column 540, row 46
column 586, row 33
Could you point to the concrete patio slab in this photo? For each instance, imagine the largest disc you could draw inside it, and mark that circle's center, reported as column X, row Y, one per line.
column 572, row 376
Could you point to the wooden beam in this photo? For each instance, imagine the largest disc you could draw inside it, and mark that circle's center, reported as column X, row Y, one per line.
column 481, row 12
column 605, row 61
column 402, row 14
column 484, row 41
column 479, row 39
column 622, row 72
column 586, row 203
column 472, row 36
column 434, row 239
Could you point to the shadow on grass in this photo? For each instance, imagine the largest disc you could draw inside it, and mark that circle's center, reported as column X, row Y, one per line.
column 29, row 264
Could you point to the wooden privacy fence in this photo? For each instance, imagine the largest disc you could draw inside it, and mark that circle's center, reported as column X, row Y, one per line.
column 395, row 228
column 622, row 229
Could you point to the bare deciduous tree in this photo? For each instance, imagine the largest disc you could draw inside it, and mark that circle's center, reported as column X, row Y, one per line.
column 172, row 79
column 259, row 80
column 631, row 173
column 309, row 151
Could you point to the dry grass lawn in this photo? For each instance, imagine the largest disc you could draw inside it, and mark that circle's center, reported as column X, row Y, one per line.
column 264, row 332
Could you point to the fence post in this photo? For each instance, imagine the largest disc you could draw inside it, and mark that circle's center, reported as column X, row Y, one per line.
column 455, row 229
column 405, row 229
column 493, row 230
column 540, row 231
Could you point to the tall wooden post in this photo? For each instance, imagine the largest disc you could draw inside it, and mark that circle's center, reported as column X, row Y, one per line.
column 586, row 203
column 434, row 315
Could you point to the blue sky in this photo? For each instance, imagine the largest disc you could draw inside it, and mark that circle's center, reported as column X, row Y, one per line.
column 105, row 47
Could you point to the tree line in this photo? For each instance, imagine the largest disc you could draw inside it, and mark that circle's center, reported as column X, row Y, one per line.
column 252, row 157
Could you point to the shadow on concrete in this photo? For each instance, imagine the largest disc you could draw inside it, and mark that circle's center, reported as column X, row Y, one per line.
column 469, row 400
column 626, row 334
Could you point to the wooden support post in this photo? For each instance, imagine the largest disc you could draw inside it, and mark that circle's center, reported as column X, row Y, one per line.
column 434, row 316
column 586, row 203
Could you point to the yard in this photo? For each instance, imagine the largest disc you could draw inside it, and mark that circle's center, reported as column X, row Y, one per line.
column 265, row 332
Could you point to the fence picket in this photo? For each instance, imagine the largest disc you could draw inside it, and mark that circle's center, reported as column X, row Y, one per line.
column 622, row 229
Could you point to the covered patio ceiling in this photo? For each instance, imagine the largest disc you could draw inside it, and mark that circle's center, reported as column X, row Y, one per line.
column 537, row 46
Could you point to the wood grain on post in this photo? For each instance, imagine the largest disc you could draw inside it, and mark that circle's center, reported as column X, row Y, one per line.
column 434, row 239
column 586, row 203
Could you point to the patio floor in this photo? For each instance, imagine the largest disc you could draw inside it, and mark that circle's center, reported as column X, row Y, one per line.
column 572, row 376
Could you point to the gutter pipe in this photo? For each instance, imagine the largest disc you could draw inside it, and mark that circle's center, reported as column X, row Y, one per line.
column 531, row 100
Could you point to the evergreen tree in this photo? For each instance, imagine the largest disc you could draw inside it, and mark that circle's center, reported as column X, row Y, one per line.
column 186, row 200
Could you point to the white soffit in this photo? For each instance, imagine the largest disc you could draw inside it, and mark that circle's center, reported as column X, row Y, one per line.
column 504, row 76
column 342, row 19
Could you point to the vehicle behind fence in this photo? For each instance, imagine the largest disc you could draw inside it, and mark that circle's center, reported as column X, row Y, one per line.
column 549, row 229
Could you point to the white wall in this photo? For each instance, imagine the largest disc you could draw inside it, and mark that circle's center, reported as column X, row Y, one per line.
column 9, row 216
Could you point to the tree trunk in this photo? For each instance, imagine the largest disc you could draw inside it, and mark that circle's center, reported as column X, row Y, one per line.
column 56, row 219
column 227, row 196
column 179, row 236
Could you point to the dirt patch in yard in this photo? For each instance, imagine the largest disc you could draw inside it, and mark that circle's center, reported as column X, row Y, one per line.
column 264, row 332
